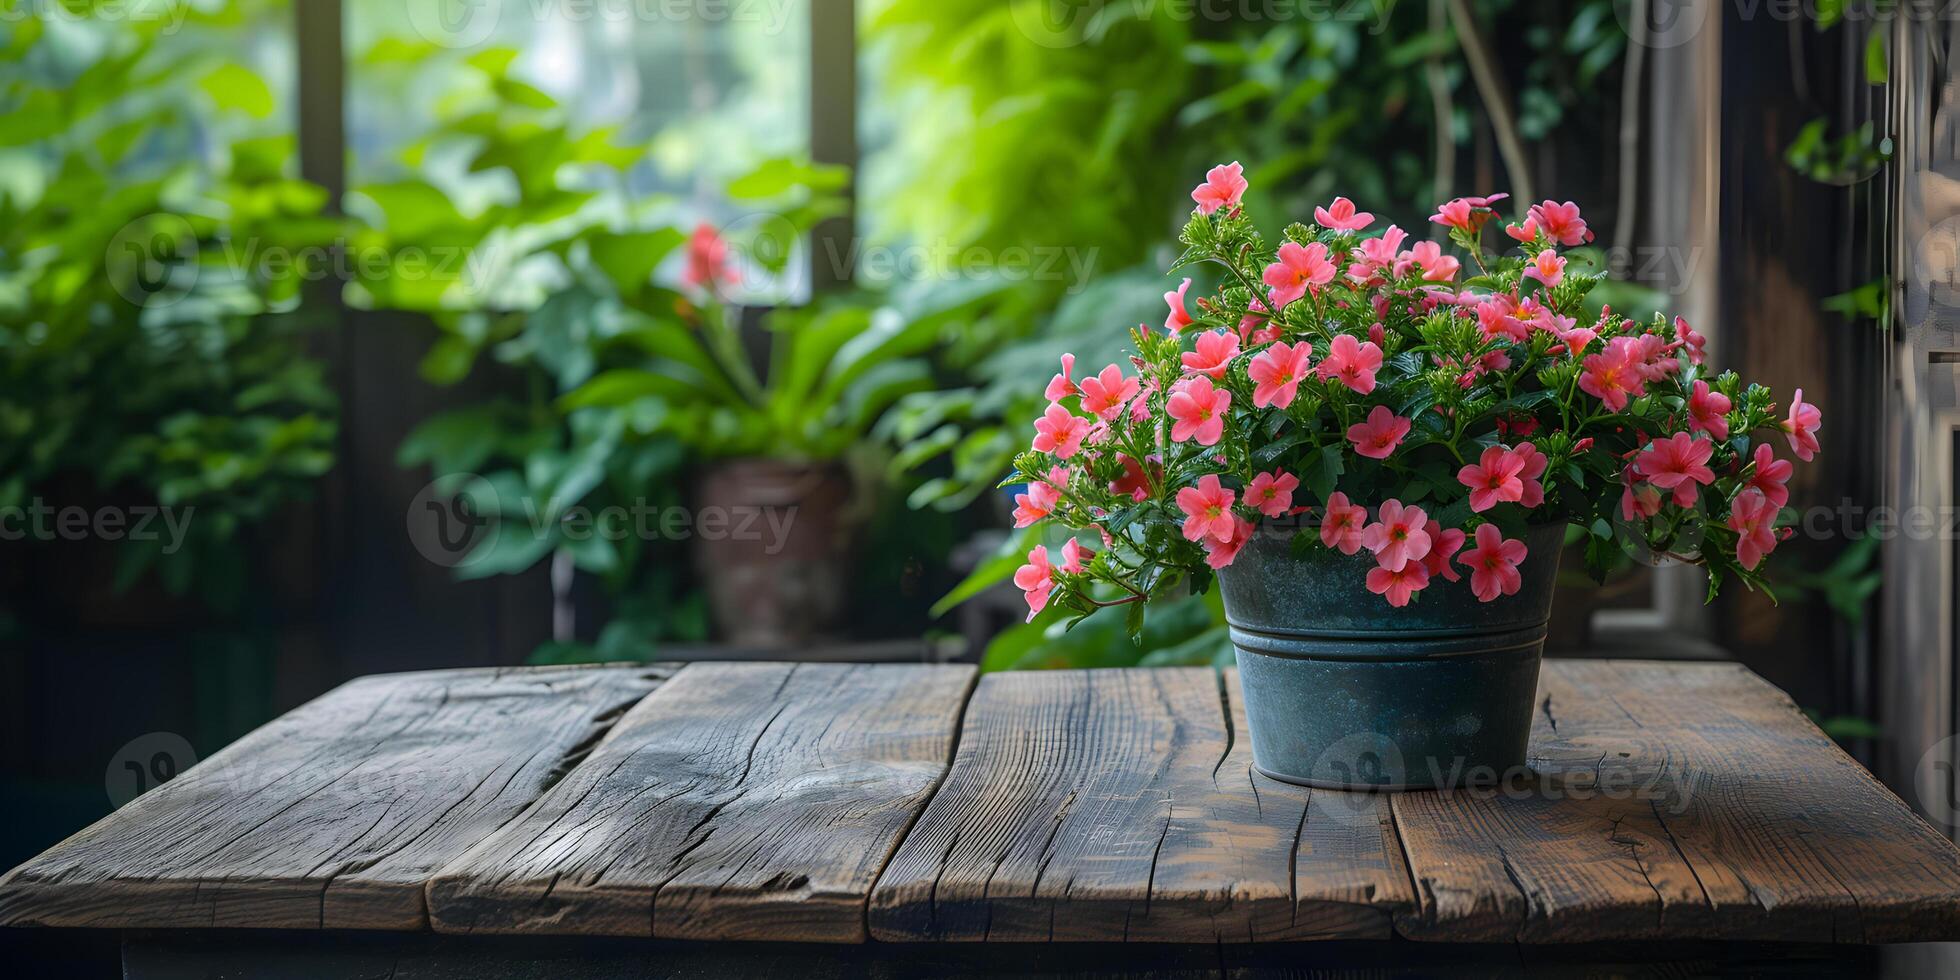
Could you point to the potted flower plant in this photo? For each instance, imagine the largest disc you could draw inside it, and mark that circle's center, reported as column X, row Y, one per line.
column 1376, row 446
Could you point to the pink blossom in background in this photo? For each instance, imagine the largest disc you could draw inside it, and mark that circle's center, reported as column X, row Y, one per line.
column 1443, row 545
column 1377, row 437
column 1060, row 431
column 1073, row 557
column 1561, row 223
column 1207, row 510
column 1342, row 216
column 1353, row 362
column 1061, row 386
column 1436, row 266
column 1298, row 269
column 1199, row 410
column 707, row 258
column 1696, row 343
column 1493, row 564
column 1341, row 525
column 1220, row 552
column 1216, row 348
column 1753, row 519
column 1271, row 494
column 1178, row 317
column 1772, row 476
column 1678, row 463
column 1546, row 267
column 1535, row 464
column 1224, row 186
column 1400, row 585
column 1801, row 427
column 1037, row 579
column 1104, row 394
column 1399, row 536
column 1708, row 411
column 1276, row 373
column 1036, row 504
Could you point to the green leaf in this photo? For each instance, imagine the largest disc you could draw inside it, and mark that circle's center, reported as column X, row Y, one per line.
column 1878, row 67
column 629, row 259
column 234, row 86
column 1322, row 478
column 1011, row 555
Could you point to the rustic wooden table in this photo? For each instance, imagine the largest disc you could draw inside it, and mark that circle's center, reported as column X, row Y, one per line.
column 710, row 806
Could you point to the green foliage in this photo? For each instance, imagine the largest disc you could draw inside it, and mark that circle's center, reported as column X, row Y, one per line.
column 153, row 244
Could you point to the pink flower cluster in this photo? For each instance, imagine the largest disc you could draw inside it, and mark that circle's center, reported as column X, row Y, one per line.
column 1344, row 362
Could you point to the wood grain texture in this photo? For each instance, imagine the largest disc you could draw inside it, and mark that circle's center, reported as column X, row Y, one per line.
column 740, row 801
column 1676, row 801
column 335, row 815
column 1118, row 805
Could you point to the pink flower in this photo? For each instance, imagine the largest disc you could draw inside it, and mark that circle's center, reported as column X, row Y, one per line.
column 1436, row 267
column 1526, row 233
column 1276, row 373
column 1061, row 386
column 1467, row 213
column 1400, row 536
column 1443, row 544
column 1753, row 519
column 1036, row 504
column 1377, row 253
column 1708, row 411
column 1220, row 553
column 1207, row 510
column 1547, row 268
column 707, row 258
column 1298, row 269
column 1256, row 317
column 1199, row 409
column 1398, row 585
column 1223, row 187
column 1272, row 493
column 1341, row 525
column 1103, row 395
column 1378, row 437
column 1342, row 216
column 1801, row 428
column 1074, row 557
column 1060, row 432
column 1561, row 222
column 1639, row 501
column 1493, row 479
column 1037, row 579
column 1771, row 476
column 1497, row 317
column 1353, row 362
column 1677, row 463
column 1534, row 467
column 1615, row 375
column 1178, row 318
column 1216, row 348
column 1695, row 342
column 1493, row 564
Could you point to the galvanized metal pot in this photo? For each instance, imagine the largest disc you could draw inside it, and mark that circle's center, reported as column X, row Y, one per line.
column 1344, row 691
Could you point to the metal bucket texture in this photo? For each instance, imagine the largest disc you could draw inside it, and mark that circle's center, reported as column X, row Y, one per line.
column 1344, row 691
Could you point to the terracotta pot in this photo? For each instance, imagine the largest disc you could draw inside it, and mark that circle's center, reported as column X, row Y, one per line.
column 772, row 544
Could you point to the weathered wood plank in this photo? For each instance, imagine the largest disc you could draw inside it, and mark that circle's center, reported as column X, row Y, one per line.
column 335, row 815
column 1676, row 801
column 1118, row 805
column 740, row 801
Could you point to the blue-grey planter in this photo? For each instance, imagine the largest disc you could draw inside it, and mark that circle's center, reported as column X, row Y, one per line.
column 1344, row 691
